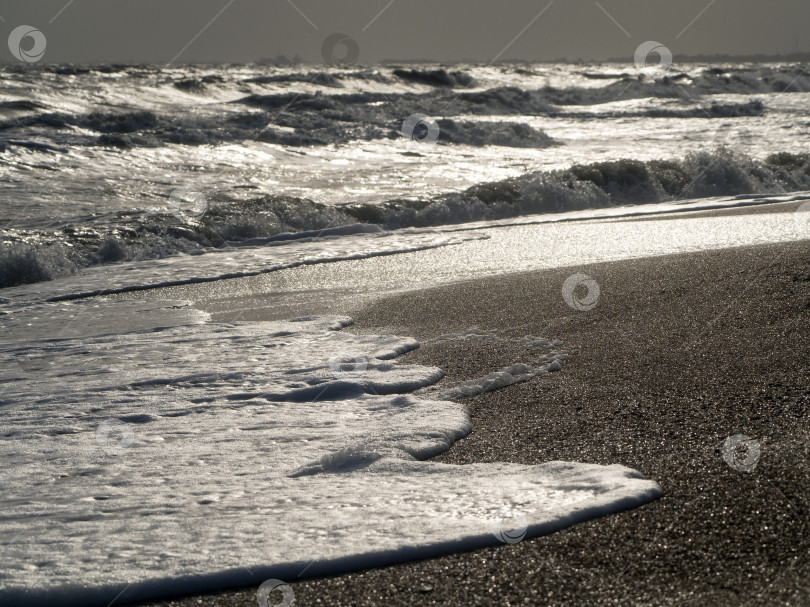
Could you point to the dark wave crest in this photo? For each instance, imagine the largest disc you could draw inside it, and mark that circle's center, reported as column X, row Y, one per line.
column 439, row 77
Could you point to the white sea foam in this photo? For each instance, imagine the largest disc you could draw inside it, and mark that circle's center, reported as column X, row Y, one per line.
column 202, row 456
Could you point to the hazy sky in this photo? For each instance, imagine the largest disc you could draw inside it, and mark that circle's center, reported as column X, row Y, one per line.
column 246, row 30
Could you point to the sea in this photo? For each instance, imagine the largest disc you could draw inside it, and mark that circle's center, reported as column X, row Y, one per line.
column 151, row 451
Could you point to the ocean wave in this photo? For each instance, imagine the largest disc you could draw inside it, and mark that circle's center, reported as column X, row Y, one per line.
column 603, row 76
column 714, row 81
column 440, row 102
column 299, row 127
column 27, row 257
column 24, row 264
column 19, row 105
column 599, row 185
column 712, row 110
column 198, row 86
column 509, row 134
column 317, row 78
column 334, row 79
column 298, row 120
column 102, row 122
column 339, row 118
column 439, row 77
column 70, row 69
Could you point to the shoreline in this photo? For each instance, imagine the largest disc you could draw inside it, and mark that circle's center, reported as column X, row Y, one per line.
column 679, row 354
column 347, row 286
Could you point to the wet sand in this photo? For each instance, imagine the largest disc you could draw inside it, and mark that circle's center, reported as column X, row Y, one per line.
column 679, row 354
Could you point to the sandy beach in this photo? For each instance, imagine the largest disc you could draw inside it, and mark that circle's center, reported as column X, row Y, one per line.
column 679, row 354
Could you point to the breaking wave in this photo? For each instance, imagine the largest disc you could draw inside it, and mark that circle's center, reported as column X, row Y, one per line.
column 306, row 121
column 292, row 117
column 439, row 77
column 327, row 79
column 315, row 119
column 509, row 134
column 27, row 257
column 601, row 185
